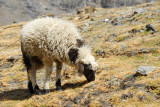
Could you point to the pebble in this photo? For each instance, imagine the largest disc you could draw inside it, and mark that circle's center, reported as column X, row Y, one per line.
column 100, row 35
column 141, row 10
column 106, row 20
column 149, row 16
column 4, row 66
column 85, row 29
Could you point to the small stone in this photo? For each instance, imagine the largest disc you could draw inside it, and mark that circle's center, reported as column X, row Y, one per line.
column 100, row 35
column 131, row 19
column 141, row 10
column 76, row 18
column 89, row 9
column 145, row 70
column 123, row 47
column 125, row 96
column 101, row 53
column 14, row 58
column 104, row 68
column 87, row 24
column 106, row 20
column 141, row 98
column 93, row 84
column 85, row 29
column 5, row 66
column 150, row 27
column 149, row 16
column 116, row 21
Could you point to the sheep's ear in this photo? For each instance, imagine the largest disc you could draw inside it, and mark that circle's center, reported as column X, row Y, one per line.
column 73, row 54
column 81, row 67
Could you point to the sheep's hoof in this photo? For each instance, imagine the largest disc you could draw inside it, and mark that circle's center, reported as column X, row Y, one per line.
column 46, row 91
column 38, row 92
column 59, row 88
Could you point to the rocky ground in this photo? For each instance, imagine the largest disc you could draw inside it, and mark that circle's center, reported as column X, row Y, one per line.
column 125, row 42
column 15, row 11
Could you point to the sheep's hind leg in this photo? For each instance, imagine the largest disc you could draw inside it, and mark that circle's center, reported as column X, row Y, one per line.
column 47, row 78
column 32, row 76
column 58, row 75
column 30, row 87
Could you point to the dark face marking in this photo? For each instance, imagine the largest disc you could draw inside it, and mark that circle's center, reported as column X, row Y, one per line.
column 30, row 87
column 58, row 84
column 80, row 43
column 73, row 54
column 88, row 72
column 37, row 60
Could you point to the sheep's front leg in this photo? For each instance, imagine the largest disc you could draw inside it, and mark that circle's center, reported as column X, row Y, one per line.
column 58, row 75
column 47, row 78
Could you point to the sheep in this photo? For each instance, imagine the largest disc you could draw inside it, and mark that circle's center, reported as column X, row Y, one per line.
column 47, row 40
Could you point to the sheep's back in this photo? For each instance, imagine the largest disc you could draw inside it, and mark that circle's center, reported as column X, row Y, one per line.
column 49, row 37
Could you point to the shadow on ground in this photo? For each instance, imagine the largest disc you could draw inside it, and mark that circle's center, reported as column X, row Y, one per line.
column 16, row 94
column 22, row 94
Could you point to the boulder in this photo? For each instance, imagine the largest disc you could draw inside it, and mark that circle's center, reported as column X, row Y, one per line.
column 145, row 70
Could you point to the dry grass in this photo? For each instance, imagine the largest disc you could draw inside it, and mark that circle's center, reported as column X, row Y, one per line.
column 114, row 69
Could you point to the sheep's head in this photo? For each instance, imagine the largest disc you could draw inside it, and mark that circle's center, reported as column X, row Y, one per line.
column 88, row 69
column 85, row 62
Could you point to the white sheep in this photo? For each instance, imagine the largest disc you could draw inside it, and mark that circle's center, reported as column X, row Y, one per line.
column 48, row 40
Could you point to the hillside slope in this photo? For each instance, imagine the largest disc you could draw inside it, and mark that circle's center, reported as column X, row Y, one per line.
column 14, row 11
column 122, row 39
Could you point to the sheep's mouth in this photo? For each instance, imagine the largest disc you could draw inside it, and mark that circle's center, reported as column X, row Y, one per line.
column 90, row 75
column 91, row 79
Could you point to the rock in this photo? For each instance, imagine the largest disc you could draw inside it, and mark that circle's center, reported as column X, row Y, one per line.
column 78, row 99
column 141, row 98
column 104, row 68
column 79, row 11
column 122, row 47
column 138, row 86
column 76, row 18
column 89, row 9
column 106, row 20
column 141, row 10
column 145, row 70
column 133, row 31
column 14, row 58
column 101, row 53
column 146, row 50
column 5, row 66
column 125, row 96
column 116, row 21
column 93, row 84
column 128, row 82
column 149, row 16
column 85, row 29
column 87, row 24
column 100, row 35
column 131, row 19
column 150, row 27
